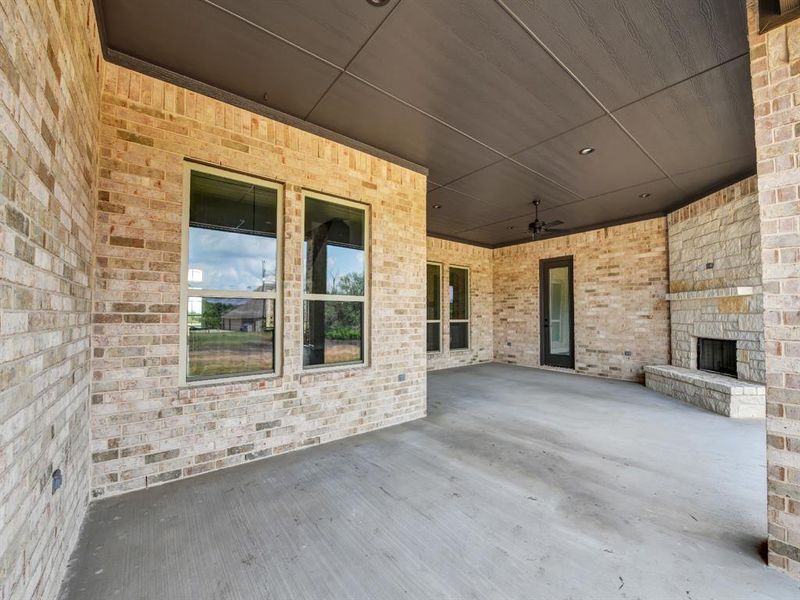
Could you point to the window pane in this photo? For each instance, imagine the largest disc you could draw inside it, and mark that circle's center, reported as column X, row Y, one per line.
column 434, row 337
column 222, row 260
column 459, row 293
column 232, row 234
column 332, row 332
column 333, row 256
column 434, row 292
column 559, row 310
column 230, row 336
column 459, row 336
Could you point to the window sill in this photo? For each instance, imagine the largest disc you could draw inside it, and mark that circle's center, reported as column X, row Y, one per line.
column 323, row 369
column 230, row 380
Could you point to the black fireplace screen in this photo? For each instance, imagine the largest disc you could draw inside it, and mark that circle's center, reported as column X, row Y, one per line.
column 718, row 356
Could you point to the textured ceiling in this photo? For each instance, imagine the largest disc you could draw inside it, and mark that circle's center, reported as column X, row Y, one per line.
column 494, row 97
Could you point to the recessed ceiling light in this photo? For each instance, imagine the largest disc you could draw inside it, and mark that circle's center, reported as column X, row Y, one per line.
column 377, row 2
column 510, row 227
column 585, row 151
column 644, row 195
column 437, row 206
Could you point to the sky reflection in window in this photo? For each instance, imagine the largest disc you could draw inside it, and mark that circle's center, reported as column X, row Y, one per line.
column 231, row 261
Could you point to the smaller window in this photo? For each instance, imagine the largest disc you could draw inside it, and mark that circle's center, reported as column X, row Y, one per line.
column 434, row 310
column 335, row 281
column 459, row 308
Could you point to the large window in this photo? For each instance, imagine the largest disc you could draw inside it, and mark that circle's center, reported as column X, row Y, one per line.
column 459, row 308
column 434, row 314
column 231, row 275
column 334, row 281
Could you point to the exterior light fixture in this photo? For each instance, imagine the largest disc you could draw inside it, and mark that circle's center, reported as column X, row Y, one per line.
column 644, row 195
column 437, row 206
column 585, row 151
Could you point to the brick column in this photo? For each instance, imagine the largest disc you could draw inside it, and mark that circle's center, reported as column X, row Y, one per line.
column 775, row 69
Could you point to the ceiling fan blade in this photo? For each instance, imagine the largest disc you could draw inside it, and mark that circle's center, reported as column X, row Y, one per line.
column 549, row 230
column 555, row 223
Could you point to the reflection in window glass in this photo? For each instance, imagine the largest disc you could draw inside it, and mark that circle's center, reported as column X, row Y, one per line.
column 459, row 308
column 434, row 292
column 332, row 332
column 230, row 336
column 333, row 258
column 559, row 310
column 334, row 251
column 224, row 260
column 232, row 234
column 459, row 282
column 232, row 250
column 434, row 337
column 459, row 335
column 434, row 308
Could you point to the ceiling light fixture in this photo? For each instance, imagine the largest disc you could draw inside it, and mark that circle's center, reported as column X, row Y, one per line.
column 510, row 227
column 437, row 206
column 377, row 2
column 585, row 151
column 644, row 195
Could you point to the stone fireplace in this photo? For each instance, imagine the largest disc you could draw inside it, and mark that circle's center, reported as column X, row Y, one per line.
column 716, row 304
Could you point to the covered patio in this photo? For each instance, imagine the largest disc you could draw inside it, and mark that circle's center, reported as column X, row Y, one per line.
column 520, row 483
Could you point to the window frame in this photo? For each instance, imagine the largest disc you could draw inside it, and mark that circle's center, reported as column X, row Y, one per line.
column 276, row 294
column 450, row 320
column 366, row 334
column 440, row 320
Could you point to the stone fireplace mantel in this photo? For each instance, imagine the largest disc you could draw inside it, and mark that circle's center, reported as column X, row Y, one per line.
column 715, row 293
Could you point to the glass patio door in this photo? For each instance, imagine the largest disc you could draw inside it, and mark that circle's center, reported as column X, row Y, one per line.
column 557, row 313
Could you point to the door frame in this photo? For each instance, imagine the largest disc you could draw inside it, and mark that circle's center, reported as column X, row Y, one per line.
column 545, row 358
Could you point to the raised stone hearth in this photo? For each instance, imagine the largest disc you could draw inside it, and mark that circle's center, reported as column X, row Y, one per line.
column 718, row 393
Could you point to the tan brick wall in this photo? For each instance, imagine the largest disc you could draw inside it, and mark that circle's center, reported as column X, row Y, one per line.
column 721, row 229
column 621, row 314
column 146, row 428
column 479, row 262
column 775, row 70
column 49, row 106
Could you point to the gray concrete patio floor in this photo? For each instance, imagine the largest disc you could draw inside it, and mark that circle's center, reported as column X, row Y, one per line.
column 521, row 483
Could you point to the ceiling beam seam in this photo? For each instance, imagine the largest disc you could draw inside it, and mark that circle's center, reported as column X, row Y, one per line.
column 272, row 34
column 384, row 92
column 684, row 80
column 578, row 201
column 585, row 88
column 352, row 58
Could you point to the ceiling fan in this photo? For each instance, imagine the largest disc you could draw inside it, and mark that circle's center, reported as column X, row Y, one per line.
column 537, row 228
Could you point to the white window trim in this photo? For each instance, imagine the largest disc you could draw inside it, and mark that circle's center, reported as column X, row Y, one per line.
column 366, row 333
column 441, row 298
column 469, row 310
column 276, row 294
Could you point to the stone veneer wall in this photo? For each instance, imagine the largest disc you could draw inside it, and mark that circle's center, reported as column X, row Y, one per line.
column 723, row 229
column 479, row 262
column 146, row 428
column 775, row 70
column 49, row 117
column 621, row 314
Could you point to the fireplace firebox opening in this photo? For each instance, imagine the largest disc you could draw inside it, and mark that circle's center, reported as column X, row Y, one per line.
column 717, row 356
